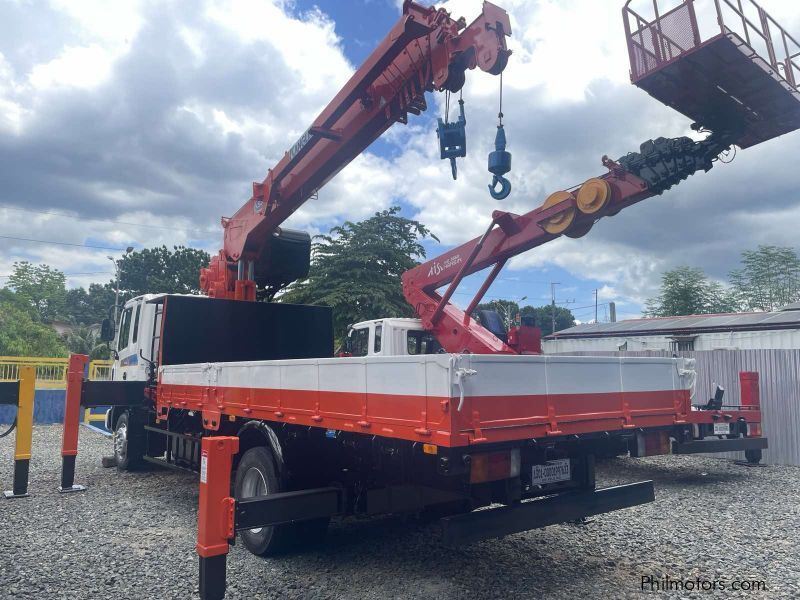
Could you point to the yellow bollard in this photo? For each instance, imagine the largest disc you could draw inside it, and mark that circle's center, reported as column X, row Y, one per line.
column 24, row 434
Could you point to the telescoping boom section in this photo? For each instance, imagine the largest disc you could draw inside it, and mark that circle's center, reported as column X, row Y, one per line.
column 425, row 51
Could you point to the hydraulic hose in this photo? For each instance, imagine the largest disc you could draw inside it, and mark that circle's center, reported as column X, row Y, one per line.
column 10, row 429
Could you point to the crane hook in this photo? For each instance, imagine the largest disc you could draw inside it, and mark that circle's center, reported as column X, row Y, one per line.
column 499, row 165
column 505, row 187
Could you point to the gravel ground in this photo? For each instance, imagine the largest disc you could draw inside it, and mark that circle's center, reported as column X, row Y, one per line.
column 133, row 535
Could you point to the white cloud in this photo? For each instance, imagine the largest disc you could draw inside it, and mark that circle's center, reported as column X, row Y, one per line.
column 115, row 23
column 83, row 67
column 164, row 120
column 163, row 113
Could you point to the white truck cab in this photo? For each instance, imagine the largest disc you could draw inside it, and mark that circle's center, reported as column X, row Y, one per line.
column 136, row 338
column 390, row 337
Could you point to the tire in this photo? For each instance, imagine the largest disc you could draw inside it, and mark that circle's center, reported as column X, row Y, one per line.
column 753, row 456
column 257, row 476
column 128, row 443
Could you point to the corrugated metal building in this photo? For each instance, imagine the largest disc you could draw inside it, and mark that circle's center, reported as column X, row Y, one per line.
column 779, row 386
column 735, row 331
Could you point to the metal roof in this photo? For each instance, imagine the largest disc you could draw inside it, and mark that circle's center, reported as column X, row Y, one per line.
column 786, row 319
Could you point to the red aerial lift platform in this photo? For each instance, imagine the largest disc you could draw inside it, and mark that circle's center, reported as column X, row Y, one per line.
column 742, row 80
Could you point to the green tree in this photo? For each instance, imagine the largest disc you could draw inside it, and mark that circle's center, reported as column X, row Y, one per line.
column 89, row 307
column 356, row 269
column 86, row 340
column 42, row 287
column 157, row 270
column 688, row 291
column 769, row 278
column 21, row 334
column 543, row 317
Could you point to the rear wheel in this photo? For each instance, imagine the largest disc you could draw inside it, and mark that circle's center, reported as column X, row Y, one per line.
column 255, row 477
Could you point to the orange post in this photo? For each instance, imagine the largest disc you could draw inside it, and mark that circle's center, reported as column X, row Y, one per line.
column 72, row 415
column 215, row 515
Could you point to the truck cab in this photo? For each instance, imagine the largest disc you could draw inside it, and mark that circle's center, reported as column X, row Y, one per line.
column 407, row 337
column 390, row 337
column 136, row 338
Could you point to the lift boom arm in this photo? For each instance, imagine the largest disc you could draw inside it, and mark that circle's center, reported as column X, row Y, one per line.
column 426, row 50
column 711, row 74
column 661, row 164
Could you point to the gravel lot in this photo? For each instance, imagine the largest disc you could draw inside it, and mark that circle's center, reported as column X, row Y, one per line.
column 133, row 535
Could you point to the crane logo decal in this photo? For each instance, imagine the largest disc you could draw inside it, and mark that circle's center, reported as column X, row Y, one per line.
column 299, row 144
column 437, row 267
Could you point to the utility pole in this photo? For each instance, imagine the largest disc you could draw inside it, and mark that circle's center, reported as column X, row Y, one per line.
column 116, row 290
column 595, row 305
column 116, row 262
column 553, row 305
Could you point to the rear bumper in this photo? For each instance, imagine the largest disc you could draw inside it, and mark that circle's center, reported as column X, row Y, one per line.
column 712, row 445
column 497, row 522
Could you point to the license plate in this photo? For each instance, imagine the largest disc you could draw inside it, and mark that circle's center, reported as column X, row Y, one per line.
column 551, row 472
column 722, row 428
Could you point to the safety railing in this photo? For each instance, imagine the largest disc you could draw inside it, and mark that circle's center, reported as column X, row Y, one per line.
column 660, row 39
column 51, row 373
column 782, row 50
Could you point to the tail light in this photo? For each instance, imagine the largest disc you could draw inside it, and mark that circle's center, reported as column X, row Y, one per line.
column 493, row 466
column 754, row 430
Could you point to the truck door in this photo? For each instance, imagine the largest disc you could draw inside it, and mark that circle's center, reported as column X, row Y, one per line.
column 129, row 365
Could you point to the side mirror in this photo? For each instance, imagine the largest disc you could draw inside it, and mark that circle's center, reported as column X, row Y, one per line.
column 107, row 330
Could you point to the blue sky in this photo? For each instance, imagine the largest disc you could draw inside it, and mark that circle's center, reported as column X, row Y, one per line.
column 141, row 123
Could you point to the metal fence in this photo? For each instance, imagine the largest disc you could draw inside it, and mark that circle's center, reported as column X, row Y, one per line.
column 51, row 374
column 779, row 383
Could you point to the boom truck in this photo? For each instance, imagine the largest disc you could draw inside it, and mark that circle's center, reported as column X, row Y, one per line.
column 440, row 414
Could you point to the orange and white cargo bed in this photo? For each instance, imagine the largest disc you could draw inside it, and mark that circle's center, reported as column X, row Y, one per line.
column 449, row 400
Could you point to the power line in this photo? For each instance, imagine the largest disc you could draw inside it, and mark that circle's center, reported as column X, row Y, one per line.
column 72, row 274
column 68, row 216
column 19, row 239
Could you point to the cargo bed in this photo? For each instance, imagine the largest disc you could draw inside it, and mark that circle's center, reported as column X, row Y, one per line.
column 448, row 400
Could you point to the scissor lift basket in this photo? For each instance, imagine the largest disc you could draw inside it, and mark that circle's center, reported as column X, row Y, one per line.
column 722, row 83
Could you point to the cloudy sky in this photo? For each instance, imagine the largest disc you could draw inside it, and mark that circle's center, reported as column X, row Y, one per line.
column 141, row 123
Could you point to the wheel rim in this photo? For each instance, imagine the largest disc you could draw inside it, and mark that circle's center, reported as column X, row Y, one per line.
column 254, row 484
column 121, row 441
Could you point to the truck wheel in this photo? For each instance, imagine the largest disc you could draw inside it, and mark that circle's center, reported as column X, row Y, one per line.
column 256, row 476
column 753, row 456
column 128, row 449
